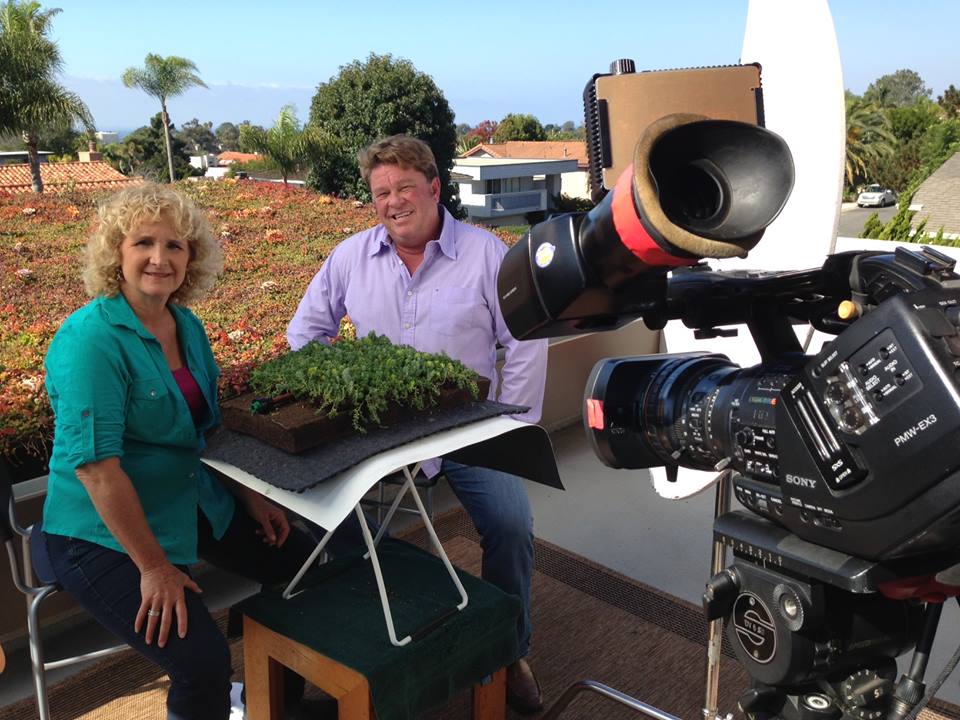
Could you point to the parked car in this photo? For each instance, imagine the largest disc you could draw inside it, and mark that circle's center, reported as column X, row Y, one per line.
column 876, row 196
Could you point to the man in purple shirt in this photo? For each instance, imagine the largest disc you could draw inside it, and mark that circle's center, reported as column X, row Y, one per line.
column 424, row 279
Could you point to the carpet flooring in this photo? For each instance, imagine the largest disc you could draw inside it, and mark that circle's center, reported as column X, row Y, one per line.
column 589, row 623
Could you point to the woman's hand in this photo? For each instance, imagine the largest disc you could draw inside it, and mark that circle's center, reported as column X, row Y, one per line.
column 161, row 584
column 274, row 526
column 162, row 599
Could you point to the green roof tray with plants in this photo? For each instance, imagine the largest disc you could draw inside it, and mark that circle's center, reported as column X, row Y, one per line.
column 322, row 392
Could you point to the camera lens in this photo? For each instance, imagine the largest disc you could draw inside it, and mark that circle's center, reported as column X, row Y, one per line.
column 676, row 409
column 693, row 409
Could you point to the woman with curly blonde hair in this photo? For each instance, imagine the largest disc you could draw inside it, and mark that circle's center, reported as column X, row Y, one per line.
column 133, row 386
column 123, row 212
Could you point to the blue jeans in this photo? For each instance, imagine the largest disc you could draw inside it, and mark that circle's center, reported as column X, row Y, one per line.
column 107, row 584
column 500, row 509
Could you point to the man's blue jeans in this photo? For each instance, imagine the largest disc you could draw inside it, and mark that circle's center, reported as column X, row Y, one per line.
column 500, row 509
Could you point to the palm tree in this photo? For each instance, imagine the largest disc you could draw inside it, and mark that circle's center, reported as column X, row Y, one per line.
column 467, row 143
column 286, row 143
column 164, row 77
column 868, row 137
column 30, row 97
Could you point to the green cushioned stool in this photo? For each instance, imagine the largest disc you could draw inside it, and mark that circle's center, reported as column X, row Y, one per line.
column 333, row 634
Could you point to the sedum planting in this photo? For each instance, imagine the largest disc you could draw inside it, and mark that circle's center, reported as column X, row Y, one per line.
column 362, row 377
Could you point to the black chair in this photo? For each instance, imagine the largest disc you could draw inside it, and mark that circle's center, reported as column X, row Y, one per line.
column 32, row 576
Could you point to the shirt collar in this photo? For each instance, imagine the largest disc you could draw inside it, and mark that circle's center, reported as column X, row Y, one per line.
column 447, row 240
column 117, row 311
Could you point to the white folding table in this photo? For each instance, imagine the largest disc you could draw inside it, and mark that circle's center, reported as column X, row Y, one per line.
column 501, row 442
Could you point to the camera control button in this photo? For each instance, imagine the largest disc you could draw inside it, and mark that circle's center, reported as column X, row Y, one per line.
column 837, row 392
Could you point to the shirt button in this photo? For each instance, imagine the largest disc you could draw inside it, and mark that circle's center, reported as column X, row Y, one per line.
column 406, row 325
column 153, row 393
column 85, row 413
column 409, row 293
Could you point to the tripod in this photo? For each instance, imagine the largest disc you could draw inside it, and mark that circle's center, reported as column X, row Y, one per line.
column 714, row 643
column 887, row 614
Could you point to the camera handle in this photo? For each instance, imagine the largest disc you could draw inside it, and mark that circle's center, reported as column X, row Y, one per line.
column 715, row 630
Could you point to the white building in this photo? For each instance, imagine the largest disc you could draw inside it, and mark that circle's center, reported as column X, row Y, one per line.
column 574, row 183
column 107, row 137
column 501, row 191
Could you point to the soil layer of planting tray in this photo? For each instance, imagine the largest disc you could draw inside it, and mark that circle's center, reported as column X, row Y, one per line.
column 296, row 426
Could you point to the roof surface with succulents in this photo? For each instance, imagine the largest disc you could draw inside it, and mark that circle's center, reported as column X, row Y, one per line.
column 86, row 175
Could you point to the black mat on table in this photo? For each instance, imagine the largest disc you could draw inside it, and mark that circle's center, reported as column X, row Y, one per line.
column 301, row 471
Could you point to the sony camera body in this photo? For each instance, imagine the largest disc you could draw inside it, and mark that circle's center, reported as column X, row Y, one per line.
column 853, row 448
column 845, row 461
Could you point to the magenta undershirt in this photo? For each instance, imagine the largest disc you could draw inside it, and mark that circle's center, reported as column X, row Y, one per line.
column 191, row 392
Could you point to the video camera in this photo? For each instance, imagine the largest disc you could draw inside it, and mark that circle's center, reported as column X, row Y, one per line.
column 845, row 461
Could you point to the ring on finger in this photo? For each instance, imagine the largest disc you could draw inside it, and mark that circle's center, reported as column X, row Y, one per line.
column 153, row 613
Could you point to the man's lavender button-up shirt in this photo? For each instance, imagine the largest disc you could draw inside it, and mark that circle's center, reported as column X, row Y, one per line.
column 449, row 304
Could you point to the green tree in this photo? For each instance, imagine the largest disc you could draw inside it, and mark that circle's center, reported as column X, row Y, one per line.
column 908, row 125
column 286, row 144
column 868, row 138
column 912, row 121
column 904, row 87
column 31, row 101
column 577, row 133
column 950, row 101
column 163, row 78
column 143, row 152
column 374, row 98
column 466, row 143
column 519, row 127
column 938, row 144
column 199, row 137
column 240, row 131
column 228, row 136
column 60, row 140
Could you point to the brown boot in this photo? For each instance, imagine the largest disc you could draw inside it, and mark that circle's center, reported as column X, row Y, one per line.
column 523, row 690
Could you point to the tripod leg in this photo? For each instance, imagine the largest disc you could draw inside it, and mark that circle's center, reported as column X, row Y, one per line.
column 715, row 631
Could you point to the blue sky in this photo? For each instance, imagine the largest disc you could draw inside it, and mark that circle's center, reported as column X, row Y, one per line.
column 488, row 58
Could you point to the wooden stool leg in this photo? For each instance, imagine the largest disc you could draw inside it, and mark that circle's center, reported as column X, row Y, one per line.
column 266, row 654
column 355, row 704
column 262, row 675
column 490, row 700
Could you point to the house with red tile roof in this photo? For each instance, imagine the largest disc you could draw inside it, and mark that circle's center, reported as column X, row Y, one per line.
column 230, row 157
column 575, row 184
column 97, row 174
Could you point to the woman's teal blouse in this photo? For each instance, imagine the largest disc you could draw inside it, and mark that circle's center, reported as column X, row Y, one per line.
column 113, row 395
